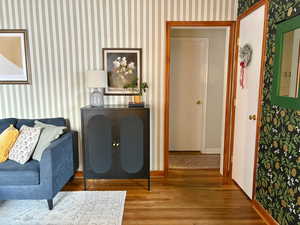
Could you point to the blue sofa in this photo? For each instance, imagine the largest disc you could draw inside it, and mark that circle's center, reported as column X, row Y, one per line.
column 40, row 180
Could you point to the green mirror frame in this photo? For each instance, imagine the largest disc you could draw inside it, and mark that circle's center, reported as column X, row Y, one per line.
column 276, row 99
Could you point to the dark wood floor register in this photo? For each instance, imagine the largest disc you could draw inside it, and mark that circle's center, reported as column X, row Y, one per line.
column 116, row 142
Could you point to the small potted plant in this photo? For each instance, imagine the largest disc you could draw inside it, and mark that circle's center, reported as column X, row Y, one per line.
column 138, row 98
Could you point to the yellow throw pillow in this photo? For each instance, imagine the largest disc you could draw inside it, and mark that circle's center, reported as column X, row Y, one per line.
column 7, row 139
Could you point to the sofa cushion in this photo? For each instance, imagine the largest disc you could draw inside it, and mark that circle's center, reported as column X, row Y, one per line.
column 7, row 140
column 13, row 173
column 25, row 144
column 53, row 121
column 4, row 123
column 49, row 133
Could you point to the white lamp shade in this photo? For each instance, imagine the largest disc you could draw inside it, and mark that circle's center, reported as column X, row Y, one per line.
column 96, row 79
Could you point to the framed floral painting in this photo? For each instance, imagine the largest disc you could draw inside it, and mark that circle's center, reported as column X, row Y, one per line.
column 124, row 70
column 14, row 57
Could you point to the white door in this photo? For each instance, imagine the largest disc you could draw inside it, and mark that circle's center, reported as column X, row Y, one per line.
column 189, row 64
column 251, row 32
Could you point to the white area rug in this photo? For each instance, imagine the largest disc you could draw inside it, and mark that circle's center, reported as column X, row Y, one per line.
column 70, row 208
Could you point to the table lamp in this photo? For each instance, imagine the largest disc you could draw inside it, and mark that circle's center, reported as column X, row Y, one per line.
column 97, row 80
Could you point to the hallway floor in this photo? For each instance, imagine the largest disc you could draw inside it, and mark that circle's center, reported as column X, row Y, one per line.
column 193, row 160
column 191, row 197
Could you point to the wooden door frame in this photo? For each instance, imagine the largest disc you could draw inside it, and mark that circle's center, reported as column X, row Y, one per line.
column 229, row 92
column 261, row 80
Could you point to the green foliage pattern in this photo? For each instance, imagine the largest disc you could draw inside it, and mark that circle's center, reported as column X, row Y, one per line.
column 278, row 172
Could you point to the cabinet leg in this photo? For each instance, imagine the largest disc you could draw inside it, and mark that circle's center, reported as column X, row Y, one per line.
column 149, row 183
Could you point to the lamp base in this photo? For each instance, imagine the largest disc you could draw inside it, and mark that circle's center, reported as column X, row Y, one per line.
column 96, row 97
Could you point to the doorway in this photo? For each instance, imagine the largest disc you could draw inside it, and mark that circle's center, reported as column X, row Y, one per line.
column 196, row 126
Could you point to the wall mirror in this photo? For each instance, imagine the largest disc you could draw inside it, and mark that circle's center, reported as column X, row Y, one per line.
column 286, row 82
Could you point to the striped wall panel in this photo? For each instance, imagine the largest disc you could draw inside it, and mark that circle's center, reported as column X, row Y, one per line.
column 66, row 38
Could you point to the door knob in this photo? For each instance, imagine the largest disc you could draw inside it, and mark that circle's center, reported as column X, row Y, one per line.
column 198, row 102
column 252, row 117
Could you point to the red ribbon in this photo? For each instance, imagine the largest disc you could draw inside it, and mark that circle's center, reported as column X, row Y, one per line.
column 242, row 75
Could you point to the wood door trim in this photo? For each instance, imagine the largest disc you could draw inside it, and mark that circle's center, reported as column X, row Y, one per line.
column 252, row 9
column 229, row 97
column 261, row 79
column 260, row 94
column 263, row 213
column 199, row 23
column 228, row 134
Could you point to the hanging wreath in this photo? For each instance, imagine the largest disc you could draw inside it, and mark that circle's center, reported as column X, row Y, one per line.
column 245, row 58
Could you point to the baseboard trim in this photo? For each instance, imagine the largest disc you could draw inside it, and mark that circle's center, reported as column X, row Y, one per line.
column 78, row 174
column 263, row 213
column 157, row 173
column 211, row 151
column 153, row 173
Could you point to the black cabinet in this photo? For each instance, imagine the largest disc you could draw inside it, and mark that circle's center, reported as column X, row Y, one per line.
column 116, row 142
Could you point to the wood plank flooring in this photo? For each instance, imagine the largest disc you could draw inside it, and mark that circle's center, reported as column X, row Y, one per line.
column 185, row 197
column 193, row 160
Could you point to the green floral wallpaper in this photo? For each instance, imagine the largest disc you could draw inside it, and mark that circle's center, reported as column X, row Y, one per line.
column 278, row 173
column 243, row 5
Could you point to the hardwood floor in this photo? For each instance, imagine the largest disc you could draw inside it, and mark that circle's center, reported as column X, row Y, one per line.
column 190, row 197
column 193, row 160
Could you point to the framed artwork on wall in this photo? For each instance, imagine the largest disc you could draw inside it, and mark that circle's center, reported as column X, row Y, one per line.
column 14, row 57
column 124, row 70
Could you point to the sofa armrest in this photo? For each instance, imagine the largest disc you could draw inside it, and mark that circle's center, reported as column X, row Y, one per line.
column 57, row 163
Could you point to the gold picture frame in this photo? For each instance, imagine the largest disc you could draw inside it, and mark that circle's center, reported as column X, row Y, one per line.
column 14, row 57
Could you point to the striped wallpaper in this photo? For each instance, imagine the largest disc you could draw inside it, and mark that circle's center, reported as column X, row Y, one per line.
column 66, row 38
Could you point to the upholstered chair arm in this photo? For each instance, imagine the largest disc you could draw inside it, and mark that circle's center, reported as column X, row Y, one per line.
column 57, row 164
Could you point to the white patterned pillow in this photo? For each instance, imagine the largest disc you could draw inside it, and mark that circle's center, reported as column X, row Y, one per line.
column 25, row 144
